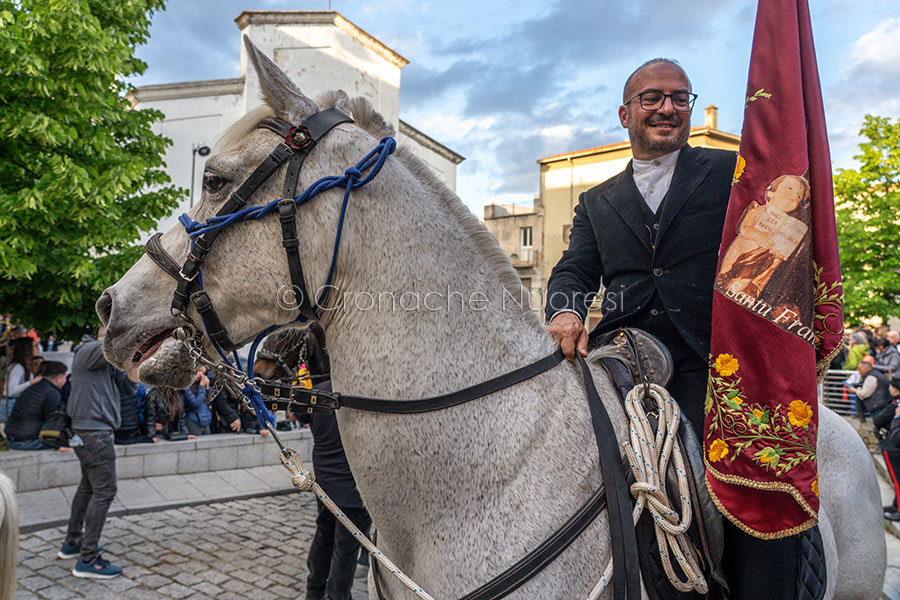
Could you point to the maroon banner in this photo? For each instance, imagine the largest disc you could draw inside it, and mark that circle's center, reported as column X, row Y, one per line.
column 778, row 302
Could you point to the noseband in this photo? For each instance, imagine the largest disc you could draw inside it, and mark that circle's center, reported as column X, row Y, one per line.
column 298, row 143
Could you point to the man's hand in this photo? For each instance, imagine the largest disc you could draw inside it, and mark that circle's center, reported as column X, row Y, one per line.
column 569, row 332
column 235, row 425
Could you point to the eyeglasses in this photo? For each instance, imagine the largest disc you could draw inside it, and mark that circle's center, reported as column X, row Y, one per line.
column 681, row 101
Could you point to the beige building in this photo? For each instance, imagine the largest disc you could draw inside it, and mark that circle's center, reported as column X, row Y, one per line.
column 563, row 177
column 519, row 228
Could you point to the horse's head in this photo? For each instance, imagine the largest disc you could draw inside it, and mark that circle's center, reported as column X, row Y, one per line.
column 245, row 272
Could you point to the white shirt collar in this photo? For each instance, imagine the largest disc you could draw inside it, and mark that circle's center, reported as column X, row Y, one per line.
column 660, row 162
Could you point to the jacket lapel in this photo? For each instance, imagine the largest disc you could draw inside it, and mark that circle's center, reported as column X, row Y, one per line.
column 624, row 198
column 690, row 170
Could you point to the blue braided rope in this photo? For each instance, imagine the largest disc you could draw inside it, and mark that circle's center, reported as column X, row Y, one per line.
column 372, row 162
column 350, row 180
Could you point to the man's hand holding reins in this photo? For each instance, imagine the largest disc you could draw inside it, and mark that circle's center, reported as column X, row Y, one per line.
column 568, row 331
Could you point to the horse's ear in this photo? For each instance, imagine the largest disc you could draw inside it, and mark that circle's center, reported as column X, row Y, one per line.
column 278, row 90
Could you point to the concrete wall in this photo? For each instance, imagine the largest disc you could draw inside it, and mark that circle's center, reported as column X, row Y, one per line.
column 37, row 470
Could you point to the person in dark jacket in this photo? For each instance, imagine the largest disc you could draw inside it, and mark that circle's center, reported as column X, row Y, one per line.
column 197, row 416
column 332, row 555
column 168, row 411
column 226, row 412
column 34, row 407
column 96, row 413
column 138, row 419
column 887, row 358
column 872, row 392
column 890, row 449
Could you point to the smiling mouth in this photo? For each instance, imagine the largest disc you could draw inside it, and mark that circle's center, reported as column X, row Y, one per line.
column 148, row 348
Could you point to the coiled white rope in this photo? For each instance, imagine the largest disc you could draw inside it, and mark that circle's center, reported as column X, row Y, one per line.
column 304, row 481
column 648, row 454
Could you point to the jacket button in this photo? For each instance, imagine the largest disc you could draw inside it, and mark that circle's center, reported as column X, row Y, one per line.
column 654, row 312
column 657, row 272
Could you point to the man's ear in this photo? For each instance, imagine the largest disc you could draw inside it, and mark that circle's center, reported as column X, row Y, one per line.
column 623, row 116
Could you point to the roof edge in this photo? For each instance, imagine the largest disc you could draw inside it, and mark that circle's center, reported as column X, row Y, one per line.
column 188, row 89
column 430, row 143
column 320, row 17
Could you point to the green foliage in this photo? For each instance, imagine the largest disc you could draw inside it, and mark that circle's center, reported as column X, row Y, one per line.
column 868, row 222
column 80, row 172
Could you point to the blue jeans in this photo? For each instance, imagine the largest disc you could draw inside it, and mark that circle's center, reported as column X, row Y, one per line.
column 95, row 492
column 35, row 444
column 6, row 406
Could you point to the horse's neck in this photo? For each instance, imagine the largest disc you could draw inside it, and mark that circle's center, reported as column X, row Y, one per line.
column 421, row 311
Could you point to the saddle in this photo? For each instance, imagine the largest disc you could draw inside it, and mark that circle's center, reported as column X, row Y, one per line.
column 631, row 357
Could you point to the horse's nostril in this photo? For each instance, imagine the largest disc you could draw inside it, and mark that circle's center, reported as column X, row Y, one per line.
column 104, row 307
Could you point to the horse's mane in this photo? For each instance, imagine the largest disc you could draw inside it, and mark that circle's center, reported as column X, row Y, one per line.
column 367, row 118
column 242, row 128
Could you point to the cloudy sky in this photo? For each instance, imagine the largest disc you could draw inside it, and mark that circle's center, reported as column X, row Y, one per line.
column 506, row 82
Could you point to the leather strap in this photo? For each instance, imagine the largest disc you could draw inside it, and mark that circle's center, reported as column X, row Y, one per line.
column 334, row 400
column 158, row 254
column 287, row 215
column 522, row 572
column 626, row 577
column 236, row 201
column 214, row 326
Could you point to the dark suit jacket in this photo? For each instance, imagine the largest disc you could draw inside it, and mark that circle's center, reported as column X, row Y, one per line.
column 610, row 244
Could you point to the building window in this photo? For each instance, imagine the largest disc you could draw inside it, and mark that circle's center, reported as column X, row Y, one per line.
column 527, row 246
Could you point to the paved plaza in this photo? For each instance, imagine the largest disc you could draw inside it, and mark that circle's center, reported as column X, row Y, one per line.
column 245, row 549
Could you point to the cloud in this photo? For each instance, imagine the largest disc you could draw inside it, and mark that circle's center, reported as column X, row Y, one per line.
column 870, row 85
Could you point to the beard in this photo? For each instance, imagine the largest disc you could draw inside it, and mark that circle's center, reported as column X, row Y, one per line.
column 641, row 139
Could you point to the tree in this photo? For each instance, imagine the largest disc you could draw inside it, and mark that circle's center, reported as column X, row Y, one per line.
column 80, row 171
column 868, row 221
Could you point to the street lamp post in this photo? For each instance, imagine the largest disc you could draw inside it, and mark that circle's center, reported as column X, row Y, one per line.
column 202, row 150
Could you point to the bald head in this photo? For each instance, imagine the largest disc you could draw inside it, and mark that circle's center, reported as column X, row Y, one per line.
column 629, row 91
column 893, row 337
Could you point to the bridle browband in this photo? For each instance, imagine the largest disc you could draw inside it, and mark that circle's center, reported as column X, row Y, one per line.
column 298, row 142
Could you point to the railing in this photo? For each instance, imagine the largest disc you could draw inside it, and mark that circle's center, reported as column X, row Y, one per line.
column 834, row 395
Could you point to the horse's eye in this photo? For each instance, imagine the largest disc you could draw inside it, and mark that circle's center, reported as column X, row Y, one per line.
column 213, row 183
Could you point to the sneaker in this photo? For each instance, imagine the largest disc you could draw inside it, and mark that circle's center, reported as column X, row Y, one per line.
column 892, row 516
column 71, row 550
column 96, row 568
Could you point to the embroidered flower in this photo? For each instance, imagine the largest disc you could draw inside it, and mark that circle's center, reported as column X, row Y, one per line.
column 815, row 485
column 718, row 450
column 739, row 168
column 726, row 365
column 768, row 457
column 759, row 417
column 800, row 413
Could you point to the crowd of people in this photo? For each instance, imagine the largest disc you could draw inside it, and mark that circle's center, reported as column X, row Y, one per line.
column 96, row 406
column 874, row 387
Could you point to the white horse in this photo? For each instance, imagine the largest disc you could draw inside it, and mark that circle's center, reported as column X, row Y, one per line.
column 9, row 538
column 425, row 302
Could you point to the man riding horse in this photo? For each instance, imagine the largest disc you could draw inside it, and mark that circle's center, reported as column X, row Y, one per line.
column 651, row 236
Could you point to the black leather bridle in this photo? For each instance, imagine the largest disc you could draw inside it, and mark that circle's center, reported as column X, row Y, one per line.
column 298, row 142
